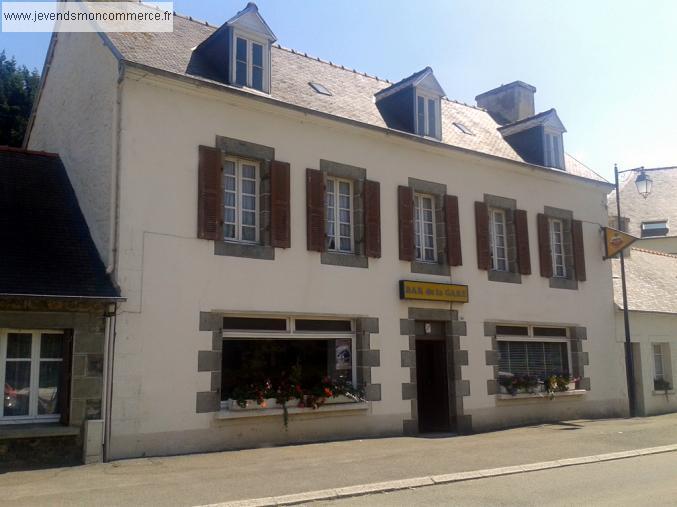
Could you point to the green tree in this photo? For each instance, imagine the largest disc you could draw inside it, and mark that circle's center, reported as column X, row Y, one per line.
column 18, row 87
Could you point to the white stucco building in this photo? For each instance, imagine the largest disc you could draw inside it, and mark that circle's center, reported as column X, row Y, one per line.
column 258, row 209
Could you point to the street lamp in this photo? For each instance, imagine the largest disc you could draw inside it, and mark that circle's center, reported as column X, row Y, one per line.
column 643, row 183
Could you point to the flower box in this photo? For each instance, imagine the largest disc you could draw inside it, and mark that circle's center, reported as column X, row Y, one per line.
column 271, row 403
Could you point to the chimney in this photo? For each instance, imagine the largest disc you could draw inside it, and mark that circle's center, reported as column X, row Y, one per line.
column 509, row 103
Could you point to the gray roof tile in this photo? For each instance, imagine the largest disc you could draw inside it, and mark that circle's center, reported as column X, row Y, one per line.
column 651, row 279
column 352, row 92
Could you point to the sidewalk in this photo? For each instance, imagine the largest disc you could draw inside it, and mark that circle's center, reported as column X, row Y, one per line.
column 226, row 476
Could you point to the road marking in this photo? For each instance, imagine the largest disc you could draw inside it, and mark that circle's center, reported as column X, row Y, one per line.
column 418, row 482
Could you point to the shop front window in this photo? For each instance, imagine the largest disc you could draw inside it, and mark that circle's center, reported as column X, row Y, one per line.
column 308, row 359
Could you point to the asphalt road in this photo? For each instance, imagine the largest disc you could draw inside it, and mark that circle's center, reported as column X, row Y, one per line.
column 646, row 480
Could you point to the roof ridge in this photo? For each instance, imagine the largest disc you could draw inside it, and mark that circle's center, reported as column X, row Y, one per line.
column 191, row 18
column 655, row 252
column 329, row 62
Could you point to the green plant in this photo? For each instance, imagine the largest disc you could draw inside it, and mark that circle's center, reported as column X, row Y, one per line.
column 288, row 387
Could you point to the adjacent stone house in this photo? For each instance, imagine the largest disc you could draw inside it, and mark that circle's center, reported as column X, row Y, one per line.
column 56, row 302
column 277, row 221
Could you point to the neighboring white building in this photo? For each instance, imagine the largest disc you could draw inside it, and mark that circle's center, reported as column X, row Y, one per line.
column 651, row 278
column 259, row 208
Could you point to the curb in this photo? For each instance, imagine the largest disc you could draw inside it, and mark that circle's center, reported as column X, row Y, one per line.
column 417, row 482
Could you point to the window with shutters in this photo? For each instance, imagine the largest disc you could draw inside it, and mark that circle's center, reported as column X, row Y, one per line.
column 424, row 228
column 339, row 215
column 498, row 239
column 559, row 268
column 240, row 200
column 31, row 366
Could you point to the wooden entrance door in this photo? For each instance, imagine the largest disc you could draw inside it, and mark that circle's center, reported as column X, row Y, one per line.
column 432, row 386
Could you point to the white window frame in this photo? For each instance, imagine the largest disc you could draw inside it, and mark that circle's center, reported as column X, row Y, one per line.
column 35, row 361
column 291, row 333
column 493, row 235
column 336, row 215
column 553, row 148
column 419, row 235
column 251, row 39
column 558, row 260
column 652, row 225
column 239, row 162
column 532, row 338
column 438, row 121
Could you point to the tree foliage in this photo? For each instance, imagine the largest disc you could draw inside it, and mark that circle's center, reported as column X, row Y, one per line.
column 18, row 87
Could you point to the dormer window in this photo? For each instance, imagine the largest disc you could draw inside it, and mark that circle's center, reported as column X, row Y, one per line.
column 413, row 105
column 427, row 116
column 554, row 154
column 238, row 52
column 249, row 64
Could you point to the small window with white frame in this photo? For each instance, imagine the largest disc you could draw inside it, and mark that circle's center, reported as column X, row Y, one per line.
column 31, row 367
column 655, row 228
column 554, row 152
column 240, row 200
column 498, row 239
column 251, row 63
column 309, row 355
column 531, row 356
column 424, row 228
column 339, row 215
column 662, row 368
column 428, row 116
column 559, row 269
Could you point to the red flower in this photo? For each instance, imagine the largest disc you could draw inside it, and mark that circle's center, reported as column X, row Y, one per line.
column 327, row 392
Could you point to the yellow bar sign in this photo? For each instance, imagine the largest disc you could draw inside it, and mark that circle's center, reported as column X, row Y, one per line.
column 429, row 291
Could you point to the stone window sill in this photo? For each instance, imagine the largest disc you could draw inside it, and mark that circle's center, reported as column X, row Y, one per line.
column 44, row 430
column 246, row 250
column 347, row 259
column 545, row 396
column 663, row 393
column 504, row 276
column 267, row 412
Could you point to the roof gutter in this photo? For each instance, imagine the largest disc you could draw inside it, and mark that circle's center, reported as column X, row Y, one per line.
column 215, row 85
column 108, row 299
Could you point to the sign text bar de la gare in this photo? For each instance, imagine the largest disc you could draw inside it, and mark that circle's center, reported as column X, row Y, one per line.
column 429, row 291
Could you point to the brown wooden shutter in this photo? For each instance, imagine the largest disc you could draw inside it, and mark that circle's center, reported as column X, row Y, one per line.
column 210, row 195
column 482, row 233
column 522, row 240
column 372, row 218
column 280, row 231
column 579, row 253
column 66, row 378
column 315, row 210
column 453, row 230
column 544, row 254
column 405, row 217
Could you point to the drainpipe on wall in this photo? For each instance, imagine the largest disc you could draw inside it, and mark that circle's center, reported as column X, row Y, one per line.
column 109, row 361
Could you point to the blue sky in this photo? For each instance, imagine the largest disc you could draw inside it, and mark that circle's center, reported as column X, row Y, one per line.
column 608, row 67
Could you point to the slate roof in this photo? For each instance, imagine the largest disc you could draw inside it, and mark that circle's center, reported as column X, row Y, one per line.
column 651, row 279
column 46, row 246
column 660, row 205
column 352, row 92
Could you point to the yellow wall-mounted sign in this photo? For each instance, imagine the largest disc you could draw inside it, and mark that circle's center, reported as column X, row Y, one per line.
column 615, row 241
column 428, row 291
